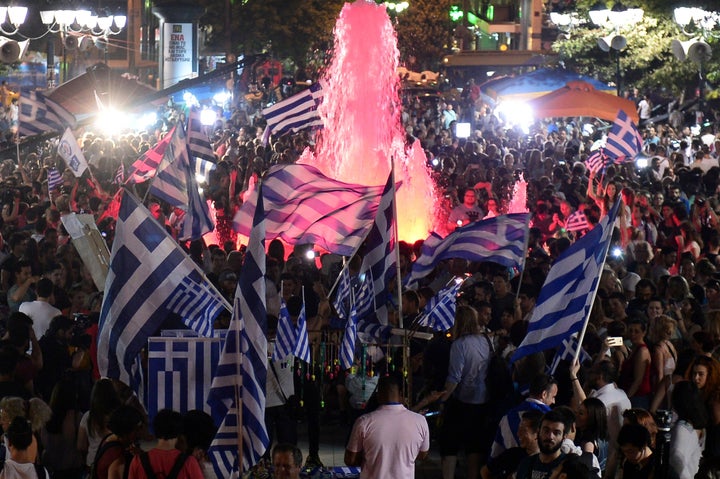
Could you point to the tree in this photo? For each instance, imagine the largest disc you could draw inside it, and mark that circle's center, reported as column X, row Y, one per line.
column 425, row 32
column 646, row 63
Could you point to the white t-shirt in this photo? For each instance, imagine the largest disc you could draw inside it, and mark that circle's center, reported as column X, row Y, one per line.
column 389, row 438
column 15, row 470
column 41, row 312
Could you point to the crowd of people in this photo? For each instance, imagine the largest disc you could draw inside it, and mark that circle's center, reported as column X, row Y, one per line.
column 652, row 334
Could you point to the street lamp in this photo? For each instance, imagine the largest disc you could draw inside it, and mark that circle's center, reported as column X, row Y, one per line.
column 699, row 25
column 616, row 19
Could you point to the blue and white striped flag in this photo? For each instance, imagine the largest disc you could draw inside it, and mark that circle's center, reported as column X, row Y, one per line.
column 439, row 314
column 243, row 365
column 501, row 239
column 347, row 347
column 624, row 140
column 295, row 113
column 120, row 174
column 577, row 221
column 204, row 167
column 342, row 294
column 175, row 183
column 38, row 114
column 286, row 337
column 596, row 161
column 197, row 140
column 180, row 373
column 373, row 332
column 379, row 260
column 302, row 349
column 566, row 297
column 54, row 179
column 149, row 278
column 302, row 206
column 567, row 351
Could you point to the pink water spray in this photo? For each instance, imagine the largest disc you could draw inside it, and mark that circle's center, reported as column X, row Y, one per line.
column 361, row 111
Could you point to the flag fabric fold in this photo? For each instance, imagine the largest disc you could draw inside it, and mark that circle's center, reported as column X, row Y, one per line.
column 175, row 183
column 302, row 205
column 286, row 337
column 379, row 261
column 342, row 294
column 149, row 278
column 347, row 347
column 624, row 140
column 439, row 313
column 295, row 113
column 39, row 114
column 501, row 239
column 566, row 296
column 197, row 140
column 302, row 348
column 567, row 351
column 243, row 366
column 596, row 161
column 146, row 166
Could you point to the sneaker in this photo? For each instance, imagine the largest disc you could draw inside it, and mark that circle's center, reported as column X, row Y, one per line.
column 313, row 462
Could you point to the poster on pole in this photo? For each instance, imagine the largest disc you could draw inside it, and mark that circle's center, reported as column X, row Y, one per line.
column 178, row 52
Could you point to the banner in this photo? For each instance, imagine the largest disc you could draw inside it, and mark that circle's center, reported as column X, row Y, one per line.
column 70, row 151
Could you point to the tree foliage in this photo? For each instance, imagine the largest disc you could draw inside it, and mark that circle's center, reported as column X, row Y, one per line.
column 284, row 28
column 646, row 63
column 424, row 32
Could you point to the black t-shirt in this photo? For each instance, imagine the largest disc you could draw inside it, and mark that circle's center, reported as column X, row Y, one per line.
column 532, row 468
column 507, row 462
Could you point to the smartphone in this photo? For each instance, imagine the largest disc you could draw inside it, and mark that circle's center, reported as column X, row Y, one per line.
column 614, row 341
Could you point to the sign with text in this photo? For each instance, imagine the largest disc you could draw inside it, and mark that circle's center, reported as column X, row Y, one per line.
column 178, row 53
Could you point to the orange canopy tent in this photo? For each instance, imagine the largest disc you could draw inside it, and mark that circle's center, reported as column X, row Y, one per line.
column 579, row 98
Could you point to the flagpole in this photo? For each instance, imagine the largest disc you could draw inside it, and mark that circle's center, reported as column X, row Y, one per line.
column 346, row 264
column 524, row 263
column 581, row 336
column 397, row 249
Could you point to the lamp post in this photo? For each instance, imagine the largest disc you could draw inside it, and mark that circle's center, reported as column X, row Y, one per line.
column 699, row 25
column 615, row 20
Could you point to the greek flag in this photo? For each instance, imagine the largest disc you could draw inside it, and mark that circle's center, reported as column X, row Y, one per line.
column 624, row 140
column 501, row 239
column 577, row 221
column 180, row 373
column 295, row 113
column 566, row 297
column 38, row 114
column 342, row 294
column 146, row 166
column 175, row 183
column 54, row 179
column 286, row 337
column 302, row 349
column 197, row 141
column 379, row 260
column 596, row 161
column 302, row 206
column 567, row 351
column 120, row 174
column 243, row 365
column 149, row 278
column 347, row 347
column 439, row 314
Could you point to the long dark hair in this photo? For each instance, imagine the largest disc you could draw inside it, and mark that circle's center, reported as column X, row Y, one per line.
column 103, row 401
column 63, row 399
column 596, row 425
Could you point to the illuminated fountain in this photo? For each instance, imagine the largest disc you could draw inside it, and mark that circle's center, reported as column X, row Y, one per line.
column 361, row 113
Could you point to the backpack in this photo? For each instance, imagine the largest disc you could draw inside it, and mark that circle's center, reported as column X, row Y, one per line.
column 104, row 447
column 174, row 472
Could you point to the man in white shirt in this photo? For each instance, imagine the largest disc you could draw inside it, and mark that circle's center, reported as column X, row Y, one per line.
column 388, row 441
column 602, row 380
column 40, row 310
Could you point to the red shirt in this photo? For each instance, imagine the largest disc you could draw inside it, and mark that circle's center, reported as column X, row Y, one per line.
column 162, row 461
